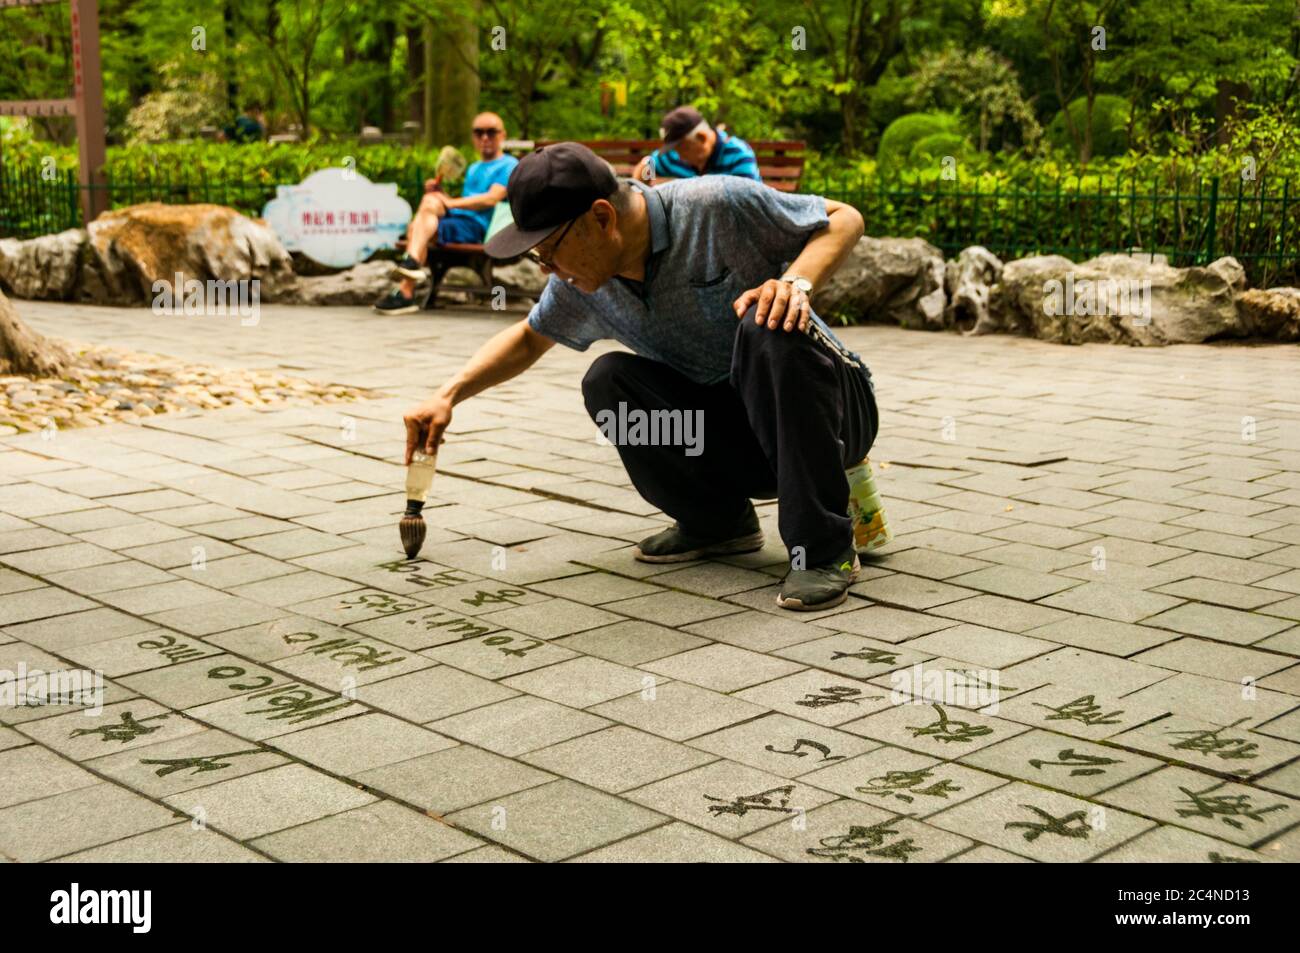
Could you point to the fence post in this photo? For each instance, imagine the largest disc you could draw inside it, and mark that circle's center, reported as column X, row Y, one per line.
column 1281, row 223
column 1212, row 225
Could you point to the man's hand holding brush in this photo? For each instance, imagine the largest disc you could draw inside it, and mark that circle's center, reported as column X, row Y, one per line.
column 425, row 425
column 505, row 355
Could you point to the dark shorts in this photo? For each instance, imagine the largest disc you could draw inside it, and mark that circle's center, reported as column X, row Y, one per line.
column 460, row 227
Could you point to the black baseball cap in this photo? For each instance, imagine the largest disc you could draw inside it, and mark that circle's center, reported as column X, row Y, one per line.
column 547, row 189
column 679, row 123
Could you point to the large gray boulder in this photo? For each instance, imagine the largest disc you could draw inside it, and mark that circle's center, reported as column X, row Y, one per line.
column 1118, row 299
column 365, row 283
column 132, row 248
column 45, row 267
column 1272, row 313
column 1018, row 292
column 524, row 274
column 894, row 280
column 967, row 282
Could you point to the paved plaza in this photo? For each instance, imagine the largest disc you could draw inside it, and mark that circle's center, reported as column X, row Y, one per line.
column 1092, row 604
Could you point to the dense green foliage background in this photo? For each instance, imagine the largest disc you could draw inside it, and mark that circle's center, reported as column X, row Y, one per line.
column 1157, row 77
column 1072, row 125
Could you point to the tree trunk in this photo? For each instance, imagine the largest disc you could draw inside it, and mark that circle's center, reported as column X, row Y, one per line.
column 1228, row 101
column 23, row 351
column 415, row 74
column 451, row 78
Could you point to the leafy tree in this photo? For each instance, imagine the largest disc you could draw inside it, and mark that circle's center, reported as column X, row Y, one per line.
column 1074, row 36
column 292, row 35
column 178, row 111
column 1193, row 54
column 982, row 88
column 860, row 38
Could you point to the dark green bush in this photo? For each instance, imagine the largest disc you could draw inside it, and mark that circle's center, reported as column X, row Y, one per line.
column 903, row 133
column 933, row 148
column 1110, row 117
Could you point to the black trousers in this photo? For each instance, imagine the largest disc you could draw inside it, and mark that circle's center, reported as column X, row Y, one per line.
column 792, row 416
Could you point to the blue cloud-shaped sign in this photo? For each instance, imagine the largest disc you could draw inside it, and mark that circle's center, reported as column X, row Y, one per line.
column 337, row 216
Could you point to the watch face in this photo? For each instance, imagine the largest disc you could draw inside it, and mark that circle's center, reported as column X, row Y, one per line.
column 803, row 284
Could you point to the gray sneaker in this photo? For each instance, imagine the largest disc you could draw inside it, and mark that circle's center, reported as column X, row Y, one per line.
column 675, row 545
column 822, row 587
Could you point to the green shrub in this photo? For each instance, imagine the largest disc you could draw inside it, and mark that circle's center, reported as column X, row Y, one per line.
column 903, row 133
column 932, row 149
column 1110, row 117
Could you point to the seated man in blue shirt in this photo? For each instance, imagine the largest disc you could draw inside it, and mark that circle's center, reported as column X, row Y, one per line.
column 692, row 147
column 461, row 220
column 734, row 388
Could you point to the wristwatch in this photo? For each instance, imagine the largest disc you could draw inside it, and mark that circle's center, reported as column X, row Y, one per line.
column 800, row 282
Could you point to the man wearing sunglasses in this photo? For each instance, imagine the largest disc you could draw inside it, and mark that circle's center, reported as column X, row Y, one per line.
column 707, row 282
column 454, row 220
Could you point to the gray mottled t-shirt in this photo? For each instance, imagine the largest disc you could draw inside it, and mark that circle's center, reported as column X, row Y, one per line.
column 711, row 239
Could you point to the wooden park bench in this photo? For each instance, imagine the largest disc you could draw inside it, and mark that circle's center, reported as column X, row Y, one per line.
column 780, row 163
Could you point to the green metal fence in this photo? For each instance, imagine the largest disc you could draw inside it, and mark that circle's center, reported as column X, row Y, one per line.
column 1254, row 221
column 1194, row 223
column 33, row 202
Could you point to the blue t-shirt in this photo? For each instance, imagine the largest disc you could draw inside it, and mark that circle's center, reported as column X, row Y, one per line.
column 712, row 238
column 480, row 177
column 731, row 156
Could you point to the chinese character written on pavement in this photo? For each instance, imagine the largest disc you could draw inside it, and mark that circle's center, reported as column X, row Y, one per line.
column 1082, row 765
column 1227, row 807
column 1074, row 824
column 802, row 742
column 1083, row 709
column 776, row 799
column 126, row 730
column 861, row 842
column 947, row 730
column 1209, row 743
column 893, row 783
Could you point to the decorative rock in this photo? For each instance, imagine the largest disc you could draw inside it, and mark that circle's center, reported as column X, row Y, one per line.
column 44, row 267
column 1019, row 292
column 362, row 284
column 1117, row 299
column 895, row 280
column 524, row 274
column 1273, row 313
column 967, row 282
column 133, row 247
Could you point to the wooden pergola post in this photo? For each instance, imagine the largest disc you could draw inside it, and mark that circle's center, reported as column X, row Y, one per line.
column 88, row 94
column 87, row 102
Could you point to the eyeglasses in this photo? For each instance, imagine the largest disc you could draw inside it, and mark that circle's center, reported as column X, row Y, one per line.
column 488, row 133
column 549, row 260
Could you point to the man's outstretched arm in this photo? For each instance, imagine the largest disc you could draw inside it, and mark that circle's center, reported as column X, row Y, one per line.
column 506, row 354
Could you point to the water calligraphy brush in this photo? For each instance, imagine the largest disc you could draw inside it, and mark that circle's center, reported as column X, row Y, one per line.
column 419, row 477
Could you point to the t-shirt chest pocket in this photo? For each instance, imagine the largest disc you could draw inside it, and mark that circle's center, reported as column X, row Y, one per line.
column 713, row 291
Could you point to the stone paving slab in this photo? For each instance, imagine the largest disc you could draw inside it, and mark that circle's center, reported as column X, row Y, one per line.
column 1103, row 543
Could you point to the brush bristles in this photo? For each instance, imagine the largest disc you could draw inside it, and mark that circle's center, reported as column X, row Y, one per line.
column 412, row 531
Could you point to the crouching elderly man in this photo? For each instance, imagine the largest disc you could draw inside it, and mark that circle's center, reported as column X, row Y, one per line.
column 707, row 282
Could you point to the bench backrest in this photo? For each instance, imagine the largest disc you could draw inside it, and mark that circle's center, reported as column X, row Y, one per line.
column 780, row 161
